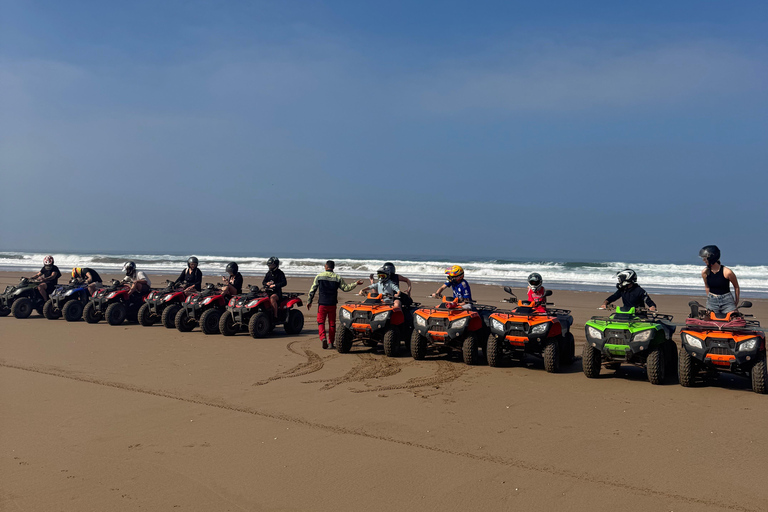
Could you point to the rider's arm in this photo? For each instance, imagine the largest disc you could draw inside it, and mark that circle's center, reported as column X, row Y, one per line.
column 312, row 290
column 440, row 290
column 648, row 301
column 704, row 277
column 615, row 296
column 88, row 278
column 406, row 281
column 729, row 275
column 282, row 282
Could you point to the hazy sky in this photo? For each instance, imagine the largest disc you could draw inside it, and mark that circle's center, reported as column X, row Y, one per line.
column 568, row 130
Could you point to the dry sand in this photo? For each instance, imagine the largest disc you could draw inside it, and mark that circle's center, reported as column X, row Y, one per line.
column 94, row 417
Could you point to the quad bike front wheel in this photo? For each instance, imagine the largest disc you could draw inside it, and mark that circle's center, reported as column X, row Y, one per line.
column 656, row 366
column 168, row 317
column 72, row 311
column 391, row 342
column 469, row 349
column 91, row 314
column 259, row 324
column 50, row 312
column 343, row 340
column 686, row 368
column 183, row 322
column 227, row 324
column 552, row 357
column 494, row 352
column 116, row 313
column 591, row 359
column 145, row 316
column 759, row 376
column 22, row 307
column 4, row 311
column 295, row 322
column 209, row 321
column 418, row 346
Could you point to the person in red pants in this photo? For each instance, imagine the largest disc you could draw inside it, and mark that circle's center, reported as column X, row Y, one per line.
column 327, row 284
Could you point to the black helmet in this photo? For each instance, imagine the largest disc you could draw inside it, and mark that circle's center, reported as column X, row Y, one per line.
column 390, row 267
column 384, row 273
column 534, row 280
column 129, row 267
column 273, row 261
column 192, row 260
column 232, row 268
column 711, row 253
column 626, row 278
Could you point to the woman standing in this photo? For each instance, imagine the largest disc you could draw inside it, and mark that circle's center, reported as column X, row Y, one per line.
column 717, row 282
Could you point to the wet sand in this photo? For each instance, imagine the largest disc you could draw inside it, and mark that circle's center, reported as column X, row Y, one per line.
column 95, row 417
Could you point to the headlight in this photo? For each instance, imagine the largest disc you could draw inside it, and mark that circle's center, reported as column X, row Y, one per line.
column 168, row 297
column 497, row 325
column 692, row 341
column 207, row 300
column 232, row 301
column 251, row 303
column 460, row 324
column 539, row 329
column 643, row 335
column 346, row 314
column 70, row 292
column 750, row 344
column 111, row 295
column 594, row 333
column 421, row 321
column 380, row 317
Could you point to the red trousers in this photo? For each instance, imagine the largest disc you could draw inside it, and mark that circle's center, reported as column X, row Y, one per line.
column 324, row 312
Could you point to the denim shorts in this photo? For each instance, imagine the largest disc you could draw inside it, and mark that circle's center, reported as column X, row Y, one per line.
column 721, row 304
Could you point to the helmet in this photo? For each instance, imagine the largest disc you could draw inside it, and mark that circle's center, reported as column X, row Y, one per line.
column 48, row 260
column 232, row 267
column 455, row 273
column 390, row 266
column 534, row 281
column 384, row 273
column 626, row 278
column 77, row 272
column 129, row 267
column 711, row 253
column 192, row 260
column 273, row 261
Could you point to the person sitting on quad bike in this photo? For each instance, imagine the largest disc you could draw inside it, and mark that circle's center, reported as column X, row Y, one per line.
column 537, row 294
column 49, row 275
column 138, row 280
column 233, row 285
column 462, row 293
column 630, row 293
column 717, row 282
column 90, row 276
column 191, row 278
column 274, row 282
column 385, row 287
column 328, row 283
column 405, row 294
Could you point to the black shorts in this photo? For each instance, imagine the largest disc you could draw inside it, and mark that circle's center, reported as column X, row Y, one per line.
column 49, row 287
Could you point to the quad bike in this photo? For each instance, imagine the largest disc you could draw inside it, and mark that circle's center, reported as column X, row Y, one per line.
column 729, row 343
column 374, row 321
column 115, row 304
column 162, row 305
column 68, row 301
column 253, row 312
column 631, row 336
column 22, row 299
column 204, row 308
column 527, row 330
column 450, row 327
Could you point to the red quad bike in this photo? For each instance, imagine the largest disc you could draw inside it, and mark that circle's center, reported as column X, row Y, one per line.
column 729, row 343
column 253, row 312
column 526, row 331
column 114, row 304
column 204, row 308
column 162, row 305
column 450, row 327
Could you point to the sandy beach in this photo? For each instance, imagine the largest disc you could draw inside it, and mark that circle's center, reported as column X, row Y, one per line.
column 95, row 417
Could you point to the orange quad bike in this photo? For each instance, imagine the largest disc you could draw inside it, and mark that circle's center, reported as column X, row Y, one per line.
column 451, row 327
column 731, row 343
column 526, row 330
column 374, row 321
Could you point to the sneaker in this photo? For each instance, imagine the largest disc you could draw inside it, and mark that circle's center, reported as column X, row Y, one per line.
column 325, row 343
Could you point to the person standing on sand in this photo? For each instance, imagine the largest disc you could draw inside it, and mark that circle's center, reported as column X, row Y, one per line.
column 717, row 282
column 328, row 283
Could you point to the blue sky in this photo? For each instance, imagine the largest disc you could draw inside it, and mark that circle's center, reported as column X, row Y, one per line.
column 550, row 130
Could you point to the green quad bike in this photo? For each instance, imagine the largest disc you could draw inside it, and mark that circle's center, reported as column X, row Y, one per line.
column 631, row 336
column 22, row 299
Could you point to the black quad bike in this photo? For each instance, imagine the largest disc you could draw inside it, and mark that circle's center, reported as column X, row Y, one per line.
column 68, row 301
column 22, row 299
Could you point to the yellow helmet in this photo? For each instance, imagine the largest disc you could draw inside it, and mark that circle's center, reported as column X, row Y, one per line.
column 77, row 271
column 455, row 272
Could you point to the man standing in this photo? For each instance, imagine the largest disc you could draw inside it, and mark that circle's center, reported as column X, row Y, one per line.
column 328, row 283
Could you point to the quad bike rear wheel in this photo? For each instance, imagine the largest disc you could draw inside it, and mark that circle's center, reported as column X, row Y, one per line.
column 759, row 376
column 656, row 366
column 22, row 307
column 391, row 342
column 209, row 321
column 146, row 318
column 183, row 322
column 91, row 314
column 295, row 322
column 258, row 325
column 686, row 368
column 567, row 350
column 168, row 317
column 343, row 340
column 72, row 311
column 418, row 345
column 469, row 349
column 227, row 324
column 591, row 359
column 116, row 313
column 494, row 352
column 50, row 312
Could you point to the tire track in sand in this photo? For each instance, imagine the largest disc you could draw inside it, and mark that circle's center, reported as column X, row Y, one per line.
column 524, row 465
column 370, row 367
column 313, row 364
column 446, row 371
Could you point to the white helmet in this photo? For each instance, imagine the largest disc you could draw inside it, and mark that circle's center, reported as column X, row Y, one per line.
column 626, row 278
